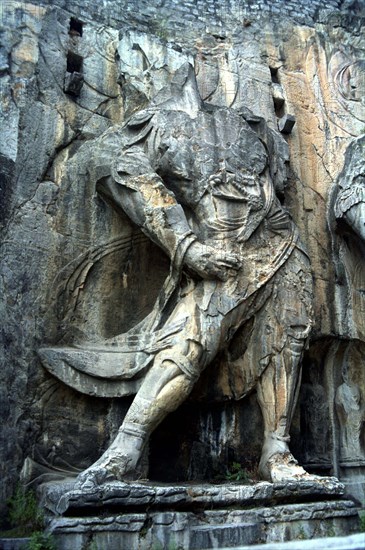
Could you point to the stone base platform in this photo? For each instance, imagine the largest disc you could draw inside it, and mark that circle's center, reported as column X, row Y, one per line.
column 196, row 516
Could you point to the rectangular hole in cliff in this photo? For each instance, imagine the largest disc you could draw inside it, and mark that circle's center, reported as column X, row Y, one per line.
column 279, row 109
column 74, row 63
column 274, row 74
column 75, row 27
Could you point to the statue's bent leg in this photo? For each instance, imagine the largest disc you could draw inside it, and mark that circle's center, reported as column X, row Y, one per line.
column 289, row 309
column 167, row 385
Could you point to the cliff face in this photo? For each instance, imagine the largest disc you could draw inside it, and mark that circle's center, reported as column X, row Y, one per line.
column 74, row 269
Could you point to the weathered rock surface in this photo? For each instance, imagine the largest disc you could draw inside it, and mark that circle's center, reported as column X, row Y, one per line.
column 196, row 515
column 74, row 269
column 63, row 499
column 352, row 542
column 207, row 529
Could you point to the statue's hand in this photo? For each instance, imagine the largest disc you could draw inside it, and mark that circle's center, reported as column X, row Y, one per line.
column 210, row 263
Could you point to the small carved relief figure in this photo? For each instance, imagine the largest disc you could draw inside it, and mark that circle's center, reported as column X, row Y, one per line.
column 351, row 416
column 199, row 182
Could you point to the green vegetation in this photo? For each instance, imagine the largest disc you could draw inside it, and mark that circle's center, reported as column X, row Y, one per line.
column 301, row 534
column 362, row 522
column 237, row 473
column 24, row 515
column 26, row 519
column 41, row 541
column 159, row 27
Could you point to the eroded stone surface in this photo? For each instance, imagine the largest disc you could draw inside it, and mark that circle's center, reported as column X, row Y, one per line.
column 63, row 247
column 63, row 499
column 208, row 528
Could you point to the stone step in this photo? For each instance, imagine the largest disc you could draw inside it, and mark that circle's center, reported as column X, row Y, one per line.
column 351, row 542
column 62, row 498
column 14, row 544
column 205, row 529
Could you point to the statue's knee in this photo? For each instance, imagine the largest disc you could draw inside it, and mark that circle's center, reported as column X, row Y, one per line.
column 187, row 364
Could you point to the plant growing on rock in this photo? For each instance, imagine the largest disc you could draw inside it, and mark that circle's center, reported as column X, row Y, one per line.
column 26, row 519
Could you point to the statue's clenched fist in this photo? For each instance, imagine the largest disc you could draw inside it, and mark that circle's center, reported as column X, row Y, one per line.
column 210, row 263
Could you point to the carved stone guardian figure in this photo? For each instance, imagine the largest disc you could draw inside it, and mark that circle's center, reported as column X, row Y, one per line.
column 200, row 182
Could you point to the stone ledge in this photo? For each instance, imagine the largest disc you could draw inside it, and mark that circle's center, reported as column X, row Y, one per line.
column 14, row 544
column 206, row 529
column 352, row 542
column 61, row 498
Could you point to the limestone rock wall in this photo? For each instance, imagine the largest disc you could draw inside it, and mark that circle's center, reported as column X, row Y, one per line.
column 74, row 269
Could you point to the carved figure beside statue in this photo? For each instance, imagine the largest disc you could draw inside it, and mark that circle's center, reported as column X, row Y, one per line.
column 351, row 415
column 346, row 217
column 200, row 183
column 347, row 221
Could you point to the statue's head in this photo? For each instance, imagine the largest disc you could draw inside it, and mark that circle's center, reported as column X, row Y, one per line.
column 146, row 65
column 182, row 94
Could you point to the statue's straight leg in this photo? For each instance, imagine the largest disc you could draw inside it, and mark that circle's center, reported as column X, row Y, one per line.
column 289, row 309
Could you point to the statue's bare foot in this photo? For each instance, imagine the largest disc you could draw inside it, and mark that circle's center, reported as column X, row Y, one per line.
column 282, row 466
column 118, row 463
column 91, row 478
column 112, row 466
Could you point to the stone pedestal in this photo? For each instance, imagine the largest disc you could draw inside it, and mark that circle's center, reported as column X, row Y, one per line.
column 196, row 516
column 353, row 477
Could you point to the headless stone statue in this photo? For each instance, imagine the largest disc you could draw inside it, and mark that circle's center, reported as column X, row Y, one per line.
column 198, row 182
column 351, row 416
